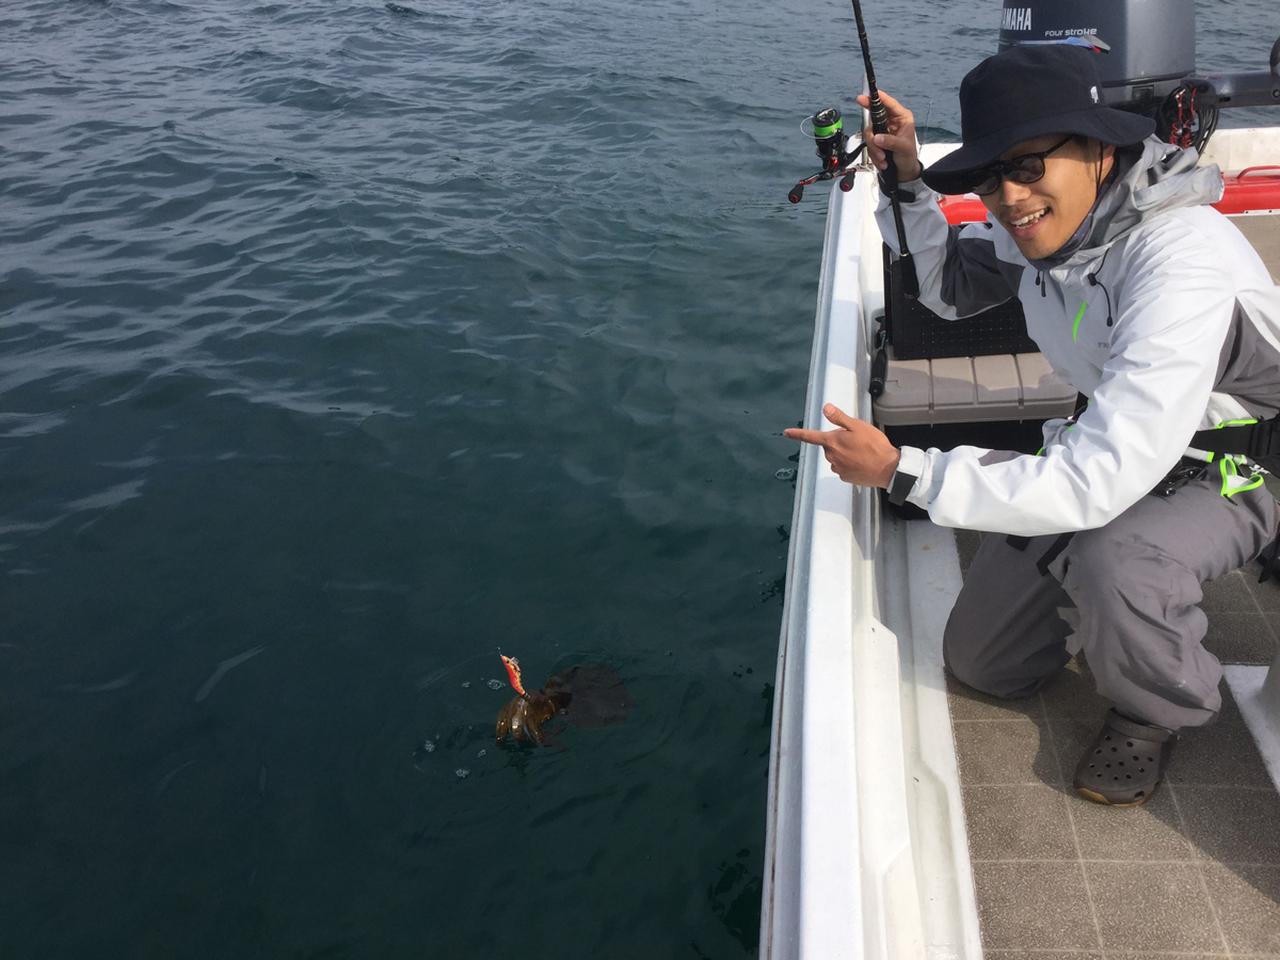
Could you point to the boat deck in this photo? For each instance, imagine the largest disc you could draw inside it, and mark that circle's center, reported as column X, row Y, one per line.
column 1195, row 872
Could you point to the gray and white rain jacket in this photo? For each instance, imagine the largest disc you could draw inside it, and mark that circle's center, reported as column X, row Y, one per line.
column 1189, row 340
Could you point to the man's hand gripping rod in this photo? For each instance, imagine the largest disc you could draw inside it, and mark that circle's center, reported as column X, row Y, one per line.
column 889, row 176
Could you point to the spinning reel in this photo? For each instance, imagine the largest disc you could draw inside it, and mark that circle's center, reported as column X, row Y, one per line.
column 833, row 142
column 827, row 131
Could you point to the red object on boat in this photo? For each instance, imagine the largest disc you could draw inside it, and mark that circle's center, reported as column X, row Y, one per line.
column 1254, row 188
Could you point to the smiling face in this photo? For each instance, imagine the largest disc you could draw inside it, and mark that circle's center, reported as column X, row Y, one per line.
column 1042, row 216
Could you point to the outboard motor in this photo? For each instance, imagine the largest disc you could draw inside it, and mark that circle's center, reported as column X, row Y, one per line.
column 1147, row 59
column 1150, row 44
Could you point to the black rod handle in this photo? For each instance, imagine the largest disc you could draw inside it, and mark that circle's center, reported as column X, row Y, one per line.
column 879, row 370
column 888, row 176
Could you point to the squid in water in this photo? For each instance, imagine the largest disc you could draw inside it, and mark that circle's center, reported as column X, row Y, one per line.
column 589, row 695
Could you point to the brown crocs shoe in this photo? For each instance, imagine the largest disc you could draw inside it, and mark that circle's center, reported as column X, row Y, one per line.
column 1125, row 763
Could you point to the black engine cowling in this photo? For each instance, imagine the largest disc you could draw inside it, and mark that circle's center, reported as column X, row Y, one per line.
column 1153, row 42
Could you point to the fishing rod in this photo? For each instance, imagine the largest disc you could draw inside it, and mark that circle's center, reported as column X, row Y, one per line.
column 889, row 175
column 827, row 130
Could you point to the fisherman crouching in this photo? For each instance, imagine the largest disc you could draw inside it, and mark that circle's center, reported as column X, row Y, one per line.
column 1155, row 307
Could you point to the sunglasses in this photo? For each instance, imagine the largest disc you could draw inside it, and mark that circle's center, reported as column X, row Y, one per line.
column 1026, row 168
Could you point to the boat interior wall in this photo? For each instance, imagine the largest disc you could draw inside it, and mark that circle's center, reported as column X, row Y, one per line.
column 851, row 714
column 1264, row 234
column 1235, row 150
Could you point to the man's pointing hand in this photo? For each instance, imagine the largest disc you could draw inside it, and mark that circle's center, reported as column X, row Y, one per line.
column 858, row 452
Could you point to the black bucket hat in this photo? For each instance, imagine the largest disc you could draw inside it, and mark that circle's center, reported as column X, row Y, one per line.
column 1026, row 92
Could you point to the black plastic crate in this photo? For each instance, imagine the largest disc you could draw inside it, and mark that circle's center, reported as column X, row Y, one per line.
column 917, row 333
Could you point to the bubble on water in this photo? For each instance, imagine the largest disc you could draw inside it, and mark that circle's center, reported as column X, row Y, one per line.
column 481, row 754
column 466, row 684
column 786, row 473
column 428, row 746
column 462, row 773
column 495, row 684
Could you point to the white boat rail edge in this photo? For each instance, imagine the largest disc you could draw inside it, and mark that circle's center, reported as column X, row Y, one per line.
column 865, row 854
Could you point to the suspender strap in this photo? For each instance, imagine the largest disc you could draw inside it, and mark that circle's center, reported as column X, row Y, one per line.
column 1052, row 553
column 1254, row 440
column 1270, row 560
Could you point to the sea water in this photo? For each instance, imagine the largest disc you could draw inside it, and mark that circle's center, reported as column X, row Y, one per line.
column 345, row 343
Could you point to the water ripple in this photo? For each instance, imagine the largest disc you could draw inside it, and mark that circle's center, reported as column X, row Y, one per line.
column 381, row 334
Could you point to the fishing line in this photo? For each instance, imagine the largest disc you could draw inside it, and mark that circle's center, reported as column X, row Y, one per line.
column 440, row 673
column 928, row 115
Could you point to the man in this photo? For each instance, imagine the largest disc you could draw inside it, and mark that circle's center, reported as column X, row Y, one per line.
column 1154, row 307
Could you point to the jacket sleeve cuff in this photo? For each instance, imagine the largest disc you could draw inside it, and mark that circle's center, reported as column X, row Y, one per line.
column 908, row 190
column 912, row 462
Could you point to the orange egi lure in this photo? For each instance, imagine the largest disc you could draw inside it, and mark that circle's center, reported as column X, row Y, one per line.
column 513, row 674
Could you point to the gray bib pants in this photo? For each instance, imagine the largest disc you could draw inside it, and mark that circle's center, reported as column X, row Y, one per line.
column 1135, row 588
